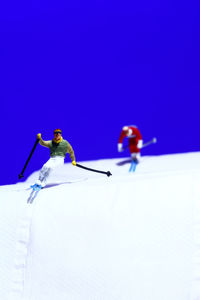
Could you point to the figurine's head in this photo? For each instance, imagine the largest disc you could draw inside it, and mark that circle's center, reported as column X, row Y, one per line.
column 57, row 134
column 126, row 130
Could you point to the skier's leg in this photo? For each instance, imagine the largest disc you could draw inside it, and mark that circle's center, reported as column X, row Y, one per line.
column 136, row 156
column 44, row 173
column 47, row 168
column 134, row 151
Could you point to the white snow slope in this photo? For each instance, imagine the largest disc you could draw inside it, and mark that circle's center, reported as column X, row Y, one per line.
column 132, row 236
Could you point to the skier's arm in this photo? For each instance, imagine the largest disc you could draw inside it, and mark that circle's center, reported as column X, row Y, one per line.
column 139, row 139
column 42, row 142
column 120, row 142
column 71, row 154
column 140, row 144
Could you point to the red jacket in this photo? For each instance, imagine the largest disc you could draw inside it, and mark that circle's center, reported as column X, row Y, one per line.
column 134, row 136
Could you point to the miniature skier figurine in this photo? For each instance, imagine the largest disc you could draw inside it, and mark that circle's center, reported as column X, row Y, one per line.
column 58, row 149
column 135, row 141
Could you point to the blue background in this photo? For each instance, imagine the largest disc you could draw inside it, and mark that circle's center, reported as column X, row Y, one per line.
column 91, row 67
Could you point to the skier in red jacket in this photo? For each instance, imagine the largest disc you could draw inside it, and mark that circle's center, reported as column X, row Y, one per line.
column 135, row 141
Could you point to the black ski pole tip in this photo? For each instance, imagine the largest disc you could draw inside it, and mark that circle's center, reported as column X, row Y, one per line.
column 108, row 173
column 20, row 176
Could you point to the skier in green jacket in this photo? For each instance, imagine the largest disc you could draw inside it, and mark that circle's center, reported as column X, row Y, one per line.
column 58, row 148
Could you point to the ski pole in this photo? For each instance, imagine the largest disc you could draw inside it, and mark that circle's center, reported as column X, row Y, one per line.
column 93, row 170
column 22, row 172
column 153, row 141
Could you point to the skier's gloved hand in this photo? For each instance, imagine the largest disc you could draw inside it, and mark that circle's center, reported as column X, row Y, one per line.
column 140, row 144
column 39, row 136
column 73, row 163
column 120, row 147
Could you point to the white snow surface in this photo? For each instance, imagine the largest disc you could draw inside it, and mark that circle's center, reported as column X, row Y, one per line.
column 86, row 236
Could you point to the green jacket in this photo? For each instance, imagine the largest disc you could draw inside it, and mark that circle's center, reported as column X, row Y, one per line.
column 58, row 149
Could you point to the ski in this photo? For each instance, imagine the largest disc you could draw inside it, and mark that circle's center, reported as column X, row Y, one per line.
column 35, row 190
column 36, row 187
column 133, row 165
